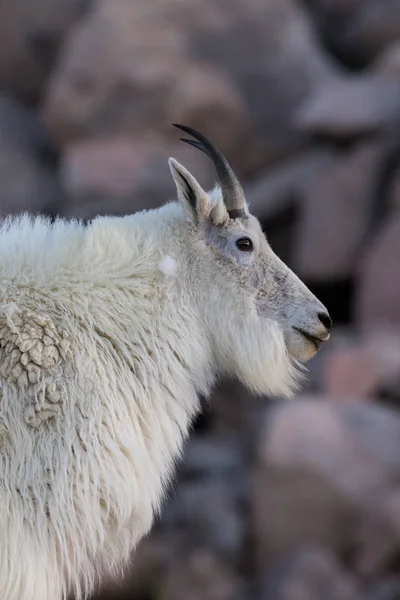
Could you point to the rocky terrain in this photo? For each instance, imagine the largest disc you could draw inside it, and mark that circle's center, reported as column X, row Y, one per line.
column 274, row 500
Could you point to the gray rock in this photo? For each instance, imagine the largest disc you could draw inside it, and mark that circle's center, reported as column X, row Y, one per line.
column 286, row 184
column 199, row 576
column 357, row 30
column 350, row 106
column 377, row 300
column 323, row 474
column 336, row 216
column 30, row 34
column 28, row 181
column 213, row 68
column 312, row 573
column 369, row 366
column 213, row 457
column 119, row 175
column 148, row 565
column 209, row 512
column 384, row 590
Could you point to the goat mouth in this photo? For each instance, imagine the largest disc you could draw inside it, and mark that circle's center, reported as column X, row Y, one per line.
column 314, row 340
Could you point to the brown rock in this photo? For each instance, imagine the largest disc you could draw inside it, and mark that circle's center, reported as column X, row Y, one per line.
column 111, row 80
column 358, row 30
column 212, row 68
column 208, row 511
column 393, row 199
column 388, row 62
column 371, row 27
column 30, row 34
column 262, row 36
column 232, row 409
column 322, row 474
column 378, row 538
column 350, row 106
column 366, row 368
column 25, row 186
column 284, row 185
column 350, row 372
column 377, row 299
column 334, row 6
column 27, row 182
column 199, row 576
column 110, row 167
column 335, row 216
column 118, row 175
column 148, row 565
column 213, row 456
column 312, row 573
column 388, row 588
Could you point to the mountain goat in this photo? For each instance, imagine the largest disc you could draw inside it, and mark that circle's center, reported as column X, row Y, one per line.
column 108, row 335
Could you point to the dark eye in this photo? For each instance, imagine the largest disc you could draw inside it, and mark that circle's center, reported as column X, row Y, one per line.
column 244, row 244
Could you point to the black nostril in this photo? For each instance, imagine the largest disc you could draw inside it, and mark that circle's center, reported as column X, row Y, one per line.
column 325, row 320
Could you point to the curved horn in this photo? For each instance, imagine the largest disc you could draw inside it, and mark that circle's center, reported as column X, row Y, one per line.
column 232, row 192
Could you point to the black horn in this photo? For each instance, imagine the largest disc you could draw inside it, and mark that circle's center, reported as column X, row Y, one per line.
column 232, row 192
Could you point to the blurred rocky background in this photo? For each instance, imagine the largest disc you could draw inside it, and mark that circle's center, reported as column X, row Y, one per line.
column 274, row 500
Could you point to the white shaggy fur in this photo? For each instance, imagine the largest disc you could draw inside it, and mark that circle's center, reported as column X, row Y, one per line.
column 102, row 360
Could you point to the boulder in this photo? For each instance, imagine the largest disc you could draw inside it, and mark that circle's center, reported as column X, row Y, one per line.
column 311, row 573
column 148, row 565
column 385, row 589
column 357, row 30
column 336, row 216
column 30, row 34
column 28, row 180
column 324, row 472
column 285, row 185
column 196, row 63
column 199, row 576
column 208, row 511
column 368, row 367
column 387, row 63
column 118, row 175
column 350, row 106
column 377, row 299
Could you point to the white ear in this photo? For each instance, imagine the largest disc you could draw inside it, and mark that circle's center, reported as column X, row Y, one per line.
column 190, row 193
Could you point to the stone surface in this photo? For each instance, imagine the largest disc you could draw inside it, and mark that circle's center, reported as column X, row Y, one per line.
column 199, row 576
column 366, row 368
column 30, row 34
column 393, row 198
column 388, row 62
column 357, row 30
column 212, row 68
column 312, row 573
column 121, row 175
column 27, row 182
column 322, row 472
column 350, row 106
column 335, row 216
column 377, row 299
column 371, row 27
column 388, row 589
column 148, row 566
column 213, row 457
column 285, row 185
column 210, row 512
column 377, row 539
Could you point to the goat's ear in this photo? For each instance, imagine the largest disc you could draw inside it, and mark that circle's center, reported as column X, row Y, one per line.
column 190, row 193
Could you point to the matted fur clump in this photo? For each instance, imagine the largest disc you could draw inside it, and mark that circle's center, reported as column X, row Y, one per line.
column 108, row 334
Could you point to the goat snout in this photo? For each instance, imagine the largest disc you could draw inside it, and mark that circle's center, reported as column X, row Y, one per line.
column 309, row 331
column 325, row 320
column 318, row 330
